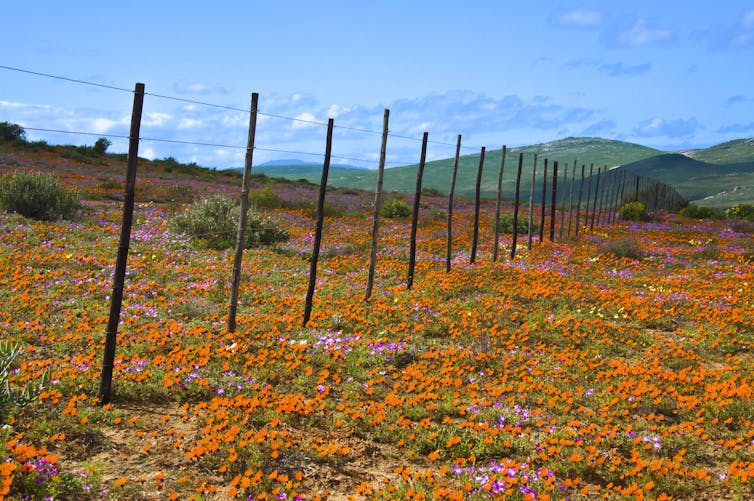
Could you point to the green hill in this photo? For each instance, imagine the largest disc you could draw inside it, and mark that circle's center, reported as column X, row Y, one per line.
column 731, row 152
column 704, row 183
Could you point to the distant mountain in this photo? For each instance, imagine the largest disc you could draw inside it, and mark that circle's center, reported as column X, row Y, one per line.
column 705, row 183
column 720, row 175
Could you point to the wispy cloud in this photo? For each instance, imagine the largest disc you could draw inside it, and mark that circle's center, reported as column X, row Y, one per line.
column 578, row 18
column 643, row 33
column 743, row 129
column 738, row 34
column 612, row 69
column 660, row 127
column 199, row 88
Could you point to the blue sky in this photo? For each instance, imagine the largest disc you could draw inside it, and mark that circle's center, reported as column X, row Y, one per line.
column 667, row 74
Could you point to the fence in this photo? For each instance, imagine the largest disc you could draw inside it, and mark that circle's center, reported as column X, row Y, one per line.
column 586, row 201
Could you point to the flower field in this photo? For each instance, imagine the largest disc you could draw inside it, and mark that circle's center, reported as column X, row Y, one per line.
column 567, row 373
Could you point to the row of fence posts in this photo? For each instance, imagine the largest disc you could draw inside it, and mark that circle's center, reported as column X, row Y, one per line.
column 611, row 189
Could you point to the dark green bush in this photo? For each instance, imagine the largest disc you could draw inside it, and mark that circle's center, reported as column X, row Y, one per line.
column 101, row 145
column 394, row 208
column 11, row 132
column 633, row 211
column 213, row 221
column 505, row 224
column 700, row 212
column 38, row 196
column 432, row 192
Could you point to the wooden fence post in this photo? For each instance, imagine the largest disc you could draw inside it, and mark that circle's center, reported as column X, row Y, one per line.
column 578, row 205
column 108, row 360
column 562, row 203
column 544, row 204
column 243, row 216
column 415, row 215
column 318, row 229
column 477, row 202
column 588, row 195
column 553, row 204
column 449, row 249
column 377, row 207
column 498, row 203
column 570, row 202
column 531, row 202
column 596, row 196
column 515, row 205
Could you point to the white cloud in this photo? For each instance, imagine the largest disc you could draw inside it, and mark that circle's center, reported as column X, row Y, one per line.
column 677, row 128
column 189, row 123
column 335, row 109
column 642, row 34
column 155, row 119
column 303, row 120
column 147, row 153
column 748, row 19
column 580, row 18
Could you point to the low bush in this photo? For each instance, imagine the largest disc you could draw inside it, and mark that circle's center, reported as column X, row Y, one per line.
column 213, row 221
column 633, row 211
column 624, row 248
column 700, row 212
column 394, row 208
column 37, row 196
column 505, row 224
column 742, row 211
column 11, row 397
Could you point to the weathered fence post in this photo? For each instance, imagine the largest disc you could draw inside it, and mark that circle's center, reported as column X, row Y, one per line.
column 570, row 202
column 243, row 216
column 531, row 202
column 377, row 207
column 562, row 203
column 415, row 215
column 318, row 228
column 553, row 204
column 516, row 203
column 449, row 250
column 544, row 204
column 588, row 195
column 477, row 202
column 578, row 205
column 498, row 203
column 108, row 360
column 596, row 196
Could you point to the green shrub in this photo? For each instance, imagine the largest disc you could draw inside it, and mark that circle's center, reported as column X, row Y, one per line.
column 743, row 211
column 11, row 132
column 633, row 211
column 101, row 145
column 394, row 208
column 38, row 196
column 11, row 397
column 700, row 212
column 432, row 192
column 505, row 224
column 264, row 198
column 213, row 221
column 625, row 248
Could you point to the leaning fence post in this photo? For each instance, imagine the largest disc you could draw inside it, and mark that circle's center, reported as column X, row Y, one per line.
column 318, row 229
column 498, row 201
column 477, row 201
column 570, row 203
column 596, row 196
column 449, row 249
column 243, row 218
column 415, row 215
column 108, row 360
column 377, row 207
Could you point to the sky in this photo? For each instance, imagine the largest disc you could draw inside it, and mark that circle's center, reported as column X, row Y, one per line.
column 668, row 74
